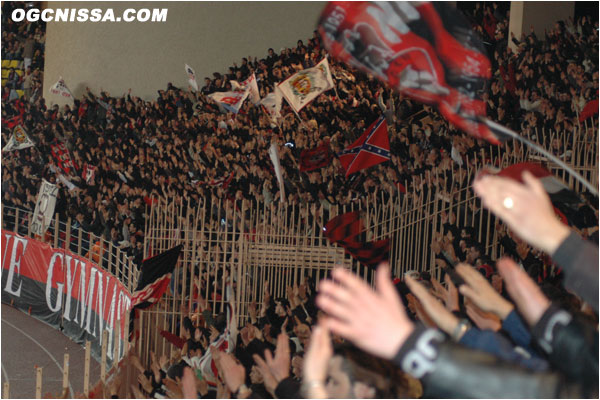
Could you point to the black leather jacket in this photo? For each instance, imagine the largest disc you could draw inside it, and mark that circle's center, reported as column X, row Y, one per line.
column 448, row 370
column 579, row 259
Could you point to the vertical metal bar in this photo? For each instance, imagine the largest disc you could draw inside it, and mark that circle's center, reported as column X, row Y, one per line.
column 86, row 370
column 65, row 382
column 38, row 382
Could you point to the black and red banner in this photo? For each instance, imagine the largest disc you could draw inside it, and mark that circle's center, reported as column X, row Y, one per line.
column 66, row 291
column 319, row 157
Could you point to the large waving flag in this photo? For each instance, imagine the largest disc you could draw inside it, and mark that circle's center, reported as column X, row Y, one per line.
column 251, row 85
column 371, row 148
column 155, row 275
column 347, row 230
column 230, row 101
column 19, row 140
column 306, row 85
column 425, row 50
column 346, row 227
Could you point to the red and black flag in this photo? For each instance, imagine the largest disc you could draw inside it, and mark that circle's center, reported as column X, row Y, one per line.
column 371, row 253
column 14, row 121
column 371, row 148
column 155, row 276
column 427, row 52
column 589, row 110
column 347, row 230
column 63, row 158
column 344, row 228
column 316, row 158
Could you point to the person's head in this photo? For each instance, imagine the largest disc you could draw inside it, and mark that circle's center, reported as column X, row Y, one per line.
column 175, row 371
column 280, row 306
column 353, row 373
column 255, row 375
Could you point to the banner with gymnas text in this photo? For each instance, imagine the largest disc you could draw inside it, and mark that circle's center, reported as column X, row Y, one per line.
column 66, row 291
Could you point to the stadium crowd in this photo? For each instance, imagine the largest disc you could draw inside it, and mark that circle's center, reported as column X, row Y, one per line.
column 181, row 146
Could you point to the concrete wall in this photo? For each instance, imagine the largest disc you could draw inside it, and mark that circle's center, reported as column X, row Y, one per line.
column 539, row 14
column 209, row 36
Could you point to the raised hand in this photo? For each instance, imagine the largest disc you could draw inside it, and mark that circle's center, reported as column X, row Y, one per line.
column 526, row 294
column 525, row 208
column 443, row 318
column 316, row 361
column 483, row 319
column 233, row 373
column 375, row 321
column 481, row 293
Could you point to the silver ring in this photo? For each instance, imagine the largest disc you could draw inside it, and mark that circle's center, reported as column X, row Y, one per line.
column 508, row 203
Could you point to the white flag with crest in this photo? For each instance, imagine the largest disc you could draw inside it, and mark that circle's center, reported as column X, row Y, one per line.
column 19, row 140
column 306, row 85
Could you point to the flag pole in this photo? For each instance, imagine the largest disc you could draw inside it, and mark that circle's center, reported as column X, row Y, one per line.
column 510, row 133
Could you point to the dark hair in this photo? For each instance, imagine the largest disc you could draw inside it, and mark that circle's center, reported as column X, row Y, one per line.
column 387, row 380
column 176, row 370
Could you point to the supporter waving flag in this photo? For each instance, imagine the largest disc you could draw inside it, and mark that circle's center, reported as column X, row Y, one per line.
column 424, row 51
column 371, row 148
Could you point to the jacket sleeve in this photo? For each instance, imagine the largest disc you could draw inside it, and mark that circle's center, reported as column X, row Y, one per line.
column 572, row 345
column 579, row 260
column 440, row 365
column 498, row 345
column 519, row 333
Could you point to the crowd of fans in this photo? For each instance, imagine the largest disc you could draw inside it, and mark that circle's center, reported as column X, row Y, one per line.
column 181, row 146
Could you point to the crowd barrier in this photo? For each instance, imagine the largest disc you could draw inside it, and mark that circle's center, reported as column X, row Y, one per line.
column 82, row 290
column 281, row 244
column 278, row 246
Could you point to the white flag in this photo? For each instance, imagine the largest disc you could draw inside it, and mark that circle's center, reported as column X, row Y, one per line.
column 231, row 101
column 274, row 154
column 19, row 140
column 272, row 104
column 44, row 208
column 251, row 85
column 306, row 85
column 191, row 77
column 60, row 88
